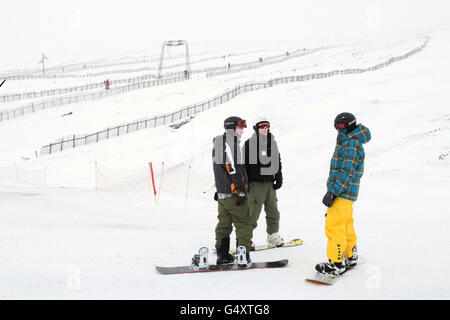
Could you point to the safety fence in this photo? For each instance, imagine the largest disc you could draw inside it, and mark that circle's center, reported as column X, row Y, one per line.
column 85, row 87
column 268, row 61
column 148, row 182
column 63, row 71
column 15, row 173
column 69, row 99
column 167, row 78
column 190, row 111
column 55, row 71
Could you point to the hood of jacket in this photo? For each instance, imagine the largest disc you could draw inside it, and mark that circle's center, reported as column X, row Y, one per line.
column 360, row 133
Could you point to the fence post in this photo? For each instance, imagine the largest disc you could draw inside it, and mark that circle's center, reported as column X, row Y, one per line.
column 187, row 186
column 160, row 181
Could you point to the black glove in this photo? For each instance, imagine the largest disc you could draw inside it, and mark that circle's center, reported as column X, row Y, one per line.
column 328, row 199
column 216, row 196
column 277, row 185
column 278, row 179
column 240, row 196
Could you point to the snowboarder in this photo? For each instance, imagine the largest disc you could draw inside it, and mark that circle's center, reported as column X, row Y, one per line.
column 231, row 185
column 263, row 166
column 346, row 170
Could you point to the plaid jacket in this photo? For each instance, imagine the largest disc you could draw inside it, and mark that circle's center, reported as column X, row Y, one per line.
column 347, row 164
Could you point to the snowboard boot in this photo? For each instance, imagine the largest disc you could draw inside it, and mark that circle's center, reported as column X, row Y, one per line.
column 223, row 254
column 330, row 268
column 243, row 257
column 200, row 260
column 274, row 240
column 353, row 260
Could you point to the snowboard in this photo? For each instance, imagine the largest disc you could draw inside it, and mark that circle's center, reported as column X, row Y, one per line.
column 223, row 267
column 325, row 279
column 287, row 244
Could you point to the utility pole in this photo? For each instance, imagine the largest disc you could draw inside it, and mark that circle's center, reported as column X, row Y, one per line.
column 44, row 57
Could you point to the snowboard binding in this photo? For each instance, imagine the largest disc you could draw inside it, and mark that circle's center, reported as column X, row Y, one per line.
column 243, row 257
column 200, row 260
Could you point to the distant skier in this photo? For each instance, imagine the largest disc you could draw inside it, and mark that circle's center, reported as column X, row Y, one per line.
column 231, row 185
column 106, row 82
column 263, row 166
column 346, row 170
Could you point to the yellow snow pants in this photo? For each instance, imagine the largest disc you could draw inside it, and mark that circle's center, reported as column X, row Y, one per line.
column 339, row 230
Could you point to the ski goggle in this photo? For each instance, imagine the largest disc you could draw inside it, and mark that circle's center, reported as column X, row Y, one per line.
column 242, row 124
column 340, row 126
column 264, row 126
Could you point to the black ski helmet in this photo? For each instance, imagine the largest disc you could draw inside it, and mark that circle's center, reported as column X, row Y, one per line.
column 345, row 120
column 233, row 122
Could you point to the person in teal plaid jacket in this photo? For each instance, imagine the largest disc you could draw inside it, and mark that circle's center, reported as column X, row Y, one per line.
column 346, row 170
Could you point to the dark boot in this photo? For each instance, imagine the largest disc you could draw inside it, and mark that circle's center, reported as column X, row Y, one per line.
column 331, row 268
column 223, row 254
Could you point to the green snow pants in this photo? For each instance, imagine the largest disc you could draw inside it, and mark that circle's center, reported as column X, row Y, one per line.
column 230, row 214
column 263, row 193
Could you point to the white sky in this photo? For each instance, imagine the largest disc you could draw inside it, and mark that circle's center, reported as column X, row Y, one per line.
column 95, row 28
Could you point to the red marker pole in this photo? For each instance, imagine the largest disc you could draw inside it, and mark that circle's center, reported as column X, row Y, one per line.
column 153, row 180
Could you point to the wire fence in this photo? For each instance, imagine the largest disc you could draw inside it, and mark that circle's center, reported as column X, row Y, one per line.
column 268, row 61
column 139, row 184
column 15, row 173
column 60, row 91
column 222, row 69
column 168, row 78
column 55, row 72
column 74, row 141
column 69, row 99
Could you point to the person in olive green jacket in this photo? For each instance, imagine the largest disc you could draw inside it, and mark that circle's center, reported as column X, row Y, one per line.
column 263, row 166
column 231, row 185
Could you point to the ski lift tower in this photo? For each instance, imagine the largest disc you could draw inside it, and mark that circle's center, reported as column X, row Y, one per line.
column 44, row 57
column 175, row 43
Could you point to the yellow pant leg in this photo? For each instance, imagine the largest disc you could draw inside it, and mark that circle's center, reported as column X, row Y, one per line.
column 339, row 229
column 351, row 235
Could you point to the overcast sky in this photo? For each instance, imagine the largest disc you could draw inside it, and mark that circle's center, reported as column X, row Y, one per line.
column 96, row 28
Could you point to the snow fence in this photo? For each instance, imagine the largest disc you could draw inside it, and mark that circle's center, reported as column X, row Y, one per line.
column 74, row 141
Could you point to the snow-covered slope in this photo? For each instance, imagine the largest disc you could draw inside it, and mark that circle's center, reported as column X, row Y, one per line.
column 70, row 243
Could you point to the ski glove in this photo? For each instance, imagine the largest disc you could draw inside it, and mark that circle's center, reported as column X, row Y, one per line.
column 277, row 185
column 278, row 180
column 328, row 199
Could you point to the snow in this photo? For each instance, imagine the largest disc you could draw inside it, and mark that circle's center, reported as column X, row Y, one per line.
column 66, row 241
